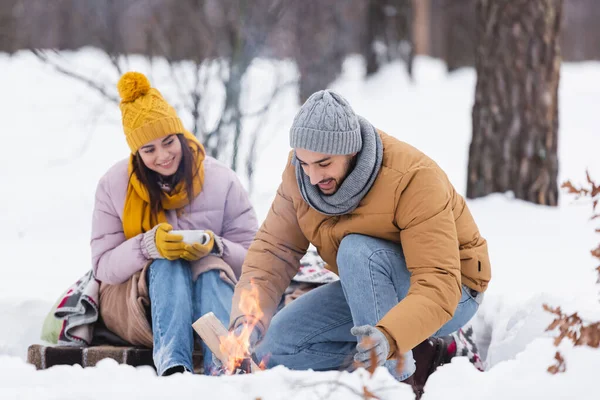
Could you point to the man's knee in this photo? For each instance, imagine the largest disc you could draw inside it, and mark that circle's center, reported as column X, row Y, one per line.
column 353, row 248
column 358, row 250
column 360, row 253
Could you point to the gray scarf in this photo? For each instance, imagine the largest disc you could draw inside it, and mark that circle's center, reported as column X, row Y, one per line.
column 357, row 183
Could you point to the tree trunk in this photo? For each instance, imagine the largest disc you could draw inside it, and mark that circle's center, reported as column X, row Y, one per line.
column 422, row 26
column 375, row 19
column 515, row 115
column 459, row 33
column 8, row 26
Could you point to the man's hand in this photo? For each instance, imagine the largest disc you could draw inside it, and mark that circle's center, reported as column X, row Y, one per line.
column 237, row 332
column 370, row 339
column 252, row 340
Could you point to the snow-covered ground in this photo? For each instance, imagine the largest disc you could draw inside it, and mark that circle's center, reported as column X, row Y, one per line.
column 59, row 138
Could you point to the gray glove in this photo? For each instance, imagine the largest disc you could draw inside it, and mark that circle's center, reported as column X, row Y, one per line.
column 378, row 342
column 254, row 336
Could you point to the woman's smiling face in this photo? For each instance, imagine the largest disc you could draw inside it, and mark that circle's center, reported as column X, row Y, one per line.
column 162, row 155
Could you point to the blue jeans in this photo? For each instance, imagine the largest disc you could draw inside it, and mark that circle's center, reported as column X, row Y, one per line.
column 176, row 301
column 313, row 332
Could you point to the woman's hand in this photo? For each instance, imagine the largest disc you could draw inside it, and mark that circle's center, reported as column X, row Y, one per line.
column 169, row 245
column 196, row 251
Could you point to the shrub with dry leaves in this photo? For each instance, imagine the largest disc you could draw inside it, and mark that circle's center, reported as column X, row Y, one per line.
column 572, row 327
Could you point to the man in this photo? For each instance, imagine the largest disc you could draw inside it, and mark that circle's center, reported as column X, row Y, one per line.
column 387, row 220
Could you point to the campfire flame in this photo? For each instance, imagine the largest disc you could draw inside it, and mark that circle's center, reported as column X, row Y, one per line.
column 236, row 347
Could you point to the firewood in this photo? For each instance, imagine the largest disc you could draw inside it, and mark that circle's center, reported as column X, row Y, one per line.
column 210, row 330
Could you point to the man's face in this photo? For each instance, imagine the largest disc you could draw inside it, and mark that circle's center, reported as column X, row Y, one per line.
column 326, row 171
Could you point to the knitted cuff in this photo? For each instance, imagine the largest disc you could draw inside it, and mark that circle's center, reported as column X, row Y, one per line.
column 217, row 249
column 149, row 249
column 393, row 348
column 249, row 319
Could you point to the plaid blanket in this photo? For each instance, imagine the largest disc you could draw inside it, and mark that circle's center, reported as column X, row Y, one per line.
column 78, row 309
column 311, row 274
column 312, row 270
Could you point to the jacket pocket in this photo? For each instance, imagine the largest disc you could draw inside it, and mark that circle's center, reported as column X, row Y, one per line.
column 475, row 267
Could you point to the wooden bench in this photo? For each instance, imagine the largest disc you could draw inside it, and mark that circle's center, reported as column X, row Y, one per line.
column 43, row 357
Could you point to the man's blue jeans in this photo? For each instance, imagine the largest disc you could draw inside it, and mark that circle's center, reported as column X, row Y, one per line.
column 313, row 332
column 177, row 301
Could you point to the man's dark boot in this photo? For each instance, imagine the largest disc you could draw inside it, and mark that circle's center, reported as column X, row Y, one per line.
column 433, row 352
column 428, row 355
column 416, row 390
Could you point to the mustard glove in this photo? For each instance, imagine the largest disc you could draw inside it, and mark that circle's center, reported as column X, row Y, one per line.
column 169, row 246
column 196, row 251
column 377, row 345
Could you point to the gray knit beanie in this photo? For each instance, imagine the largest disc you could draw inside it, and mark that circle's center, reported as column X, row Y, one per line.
column 326, row 124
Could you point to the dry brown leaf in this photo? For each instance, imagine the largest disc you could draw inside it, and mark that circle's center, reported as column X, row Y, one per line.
column 572, row 327
column 590, row 335
column 556, row 310
column 571, row 189
column 374, row 364
column 560, row 365
column 589, row 178
column 367, row 394
column 400, row 364
column 596, row 252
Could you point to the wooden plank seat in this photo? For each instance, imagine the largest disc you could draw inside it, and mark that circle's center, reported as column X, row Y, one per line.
column 43, row 357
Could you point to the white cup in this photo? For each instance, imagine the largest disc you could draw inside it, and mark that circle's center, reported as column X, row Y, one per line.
column 193, row 236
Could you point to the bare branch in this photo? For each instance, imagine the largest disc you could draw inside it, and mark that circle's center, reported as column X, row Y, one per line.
column 197, row 101
column 251, row 156
column 178, row 85
column 269, row 102
column 95, row 115
column 114, row 60
column 337, row 384
column 100, row 89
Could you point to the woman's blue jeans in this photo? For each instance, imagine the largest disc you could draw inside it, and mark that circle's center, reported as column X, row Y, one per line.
column 313, row 332
column 176, row 302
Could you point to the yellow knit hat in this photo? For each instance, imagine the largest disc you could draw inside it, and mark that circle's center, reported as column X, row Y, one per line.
column 146, row 114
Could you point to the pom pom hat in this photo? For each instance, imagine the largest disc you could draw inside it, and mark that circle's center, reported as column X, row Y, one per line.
column 146, row 114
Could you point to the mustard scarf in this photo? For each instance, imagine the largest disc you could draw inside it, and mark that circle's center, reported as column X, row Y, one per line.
column 137, row 215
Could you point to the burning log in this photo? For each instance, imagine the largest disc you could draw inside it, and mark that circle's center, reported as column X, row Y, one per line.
column 212, row 331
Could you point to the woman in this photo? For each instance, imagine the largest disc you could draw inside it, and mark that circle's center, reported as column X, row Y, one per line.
column 167, row 183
